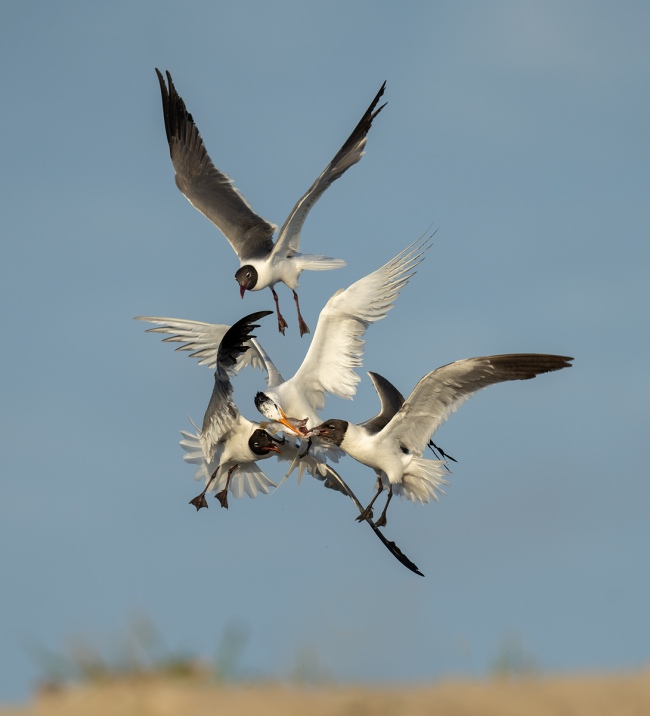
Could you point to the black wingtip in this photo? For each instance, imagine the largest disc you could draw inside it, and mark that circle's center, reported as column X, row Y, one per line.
column 232, row 344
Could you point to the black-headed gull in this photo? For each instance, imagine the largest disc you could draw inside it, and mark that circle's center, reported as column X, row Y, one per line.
column 228, row 440
column 395, row 450
column 262, row 263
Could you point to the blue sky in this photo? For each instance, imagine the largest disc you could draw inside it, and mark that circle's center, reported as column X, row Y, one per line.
column 518, row 130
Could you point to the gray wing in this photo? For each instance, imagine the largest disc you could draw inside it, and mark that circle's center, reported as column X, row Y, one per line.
column 350, row 153
column 207, row 189
column 444, row 390
column 273, row 376
column 391, row 401
column 222, row 412
column 203, row 339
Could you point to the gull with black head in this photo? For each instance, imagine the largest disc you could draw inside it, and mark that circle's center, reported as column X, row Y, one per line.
column 227, row 439
column 393, row 448
column 262, row 263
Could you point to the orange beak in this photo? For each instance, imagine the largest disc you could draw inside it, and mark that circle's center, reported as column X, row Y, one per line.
column 284, row 420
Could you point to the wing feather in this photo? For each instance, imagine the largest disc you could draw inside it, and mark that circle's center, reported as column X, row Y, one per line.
column 205, row 187
column 391, row 401
column 348, row 155
column 203, row 340
column 445, row 389
column 222, row 412
column 337, row 346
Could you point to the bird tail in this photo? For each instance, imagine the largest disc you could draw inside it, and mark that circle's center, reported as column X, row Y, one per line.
column 313, row 262
column 423, row 480
column 247, row 479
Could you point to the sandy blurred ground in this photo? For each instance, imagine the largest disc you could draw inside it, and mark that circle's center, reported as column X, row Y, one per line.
column 623, row 695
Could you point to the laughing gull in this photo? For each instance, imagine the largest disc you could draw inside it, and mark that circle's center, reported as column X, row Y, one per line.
column 262, row 263
column 228, row 440
column 394, row 451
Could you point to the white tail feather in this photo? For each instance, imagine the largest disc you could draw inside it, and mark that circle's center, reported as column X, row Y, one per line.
column 423, row 480
column 313, row 262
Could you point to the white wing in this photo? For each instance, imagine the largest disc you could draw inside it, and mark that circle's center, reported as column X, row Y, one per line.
column 206, row 188
column 337, row 346
column 349, row 154
column 445, row 389
column 203, row 339
column 273, row 376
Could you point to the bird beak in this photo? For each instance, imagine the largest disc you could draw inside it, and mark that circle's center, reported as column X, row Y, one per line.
column 297, row 430
column 242, row 290
column 273, row 448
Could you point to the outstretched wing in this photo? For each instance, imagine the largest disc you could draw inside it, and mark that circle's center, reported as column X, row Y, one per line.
column 445, row 389
column 391, row 401
column 221, row 413
column 203, row 339
column 350, row 153
column 337, row 346
column 206, row 188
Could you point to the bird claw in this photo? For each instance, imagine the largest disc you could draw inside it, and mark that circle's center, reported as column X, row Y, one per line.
column 382, row 521
column 365, row 515
column 304, row 328
column 199, row 501
column 282, row 324
column 223, row 498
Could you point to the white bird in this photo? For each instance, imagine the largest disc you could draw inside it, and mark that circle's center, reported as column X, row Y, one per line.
column 228, row 440
column 394, row 448
column 336, row 348
column 262, row 263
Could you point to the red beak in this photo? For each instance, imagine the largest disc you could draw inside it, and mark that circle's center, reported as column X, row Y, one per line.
column 242, row 290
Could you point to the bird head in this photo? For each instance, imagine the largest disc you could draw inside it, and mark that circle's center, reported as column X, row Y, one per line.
column 331, row 430
column 274, row 413
column 261, row 443
column 246, row 277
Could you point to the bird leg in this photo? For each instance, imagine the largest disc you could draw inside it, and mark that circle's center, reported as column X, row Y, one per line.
column 367, row 513
column 382, row 522
column 222, row 496
column 199, row 501
column 282, row 324
column 301, row 324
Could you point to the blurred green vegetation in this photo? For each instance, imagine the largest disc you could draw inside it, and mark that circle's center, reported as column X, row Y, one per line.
column 139, row 653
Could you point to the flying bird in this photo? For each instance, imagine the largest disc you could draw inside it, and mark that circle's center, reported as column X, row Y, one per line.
column 262, row 263
column 228, row 440
column 394, row 448
column 336, row 348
